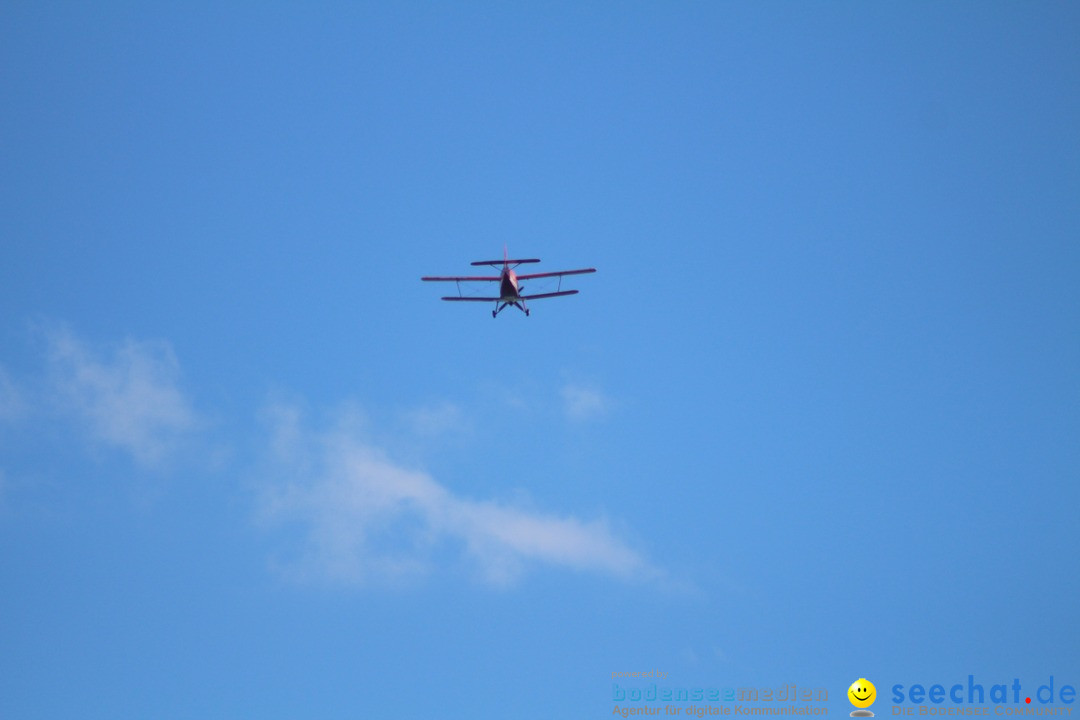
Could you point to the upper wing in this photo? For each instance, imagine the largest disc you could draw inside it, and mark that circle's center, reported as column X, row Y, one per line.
column 471, row 278
column 509, row 261
column 557, row 273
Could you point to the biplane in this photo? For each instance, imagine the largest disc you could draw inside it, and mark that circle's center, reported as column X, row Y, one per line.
column 510, row 287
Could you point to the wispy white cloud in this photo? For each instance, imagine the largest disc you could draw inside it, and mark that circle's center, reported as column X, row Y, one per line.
column 352, row 512
column 130, row 399
column 582, row 403
column 366, row 517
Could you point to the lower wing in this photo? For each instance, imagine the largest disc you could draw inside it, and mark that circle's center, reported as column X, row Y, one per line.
column 547, row 295
column 462, row 278
column 556, row 273
column 540, row 296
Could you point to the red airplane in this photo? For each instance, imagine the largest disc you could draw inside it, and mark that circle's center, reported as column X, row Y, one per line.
column 509, row 284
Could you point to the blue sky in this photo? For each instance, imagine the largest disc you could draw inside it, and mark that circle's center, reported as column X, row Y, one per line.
column 815, row 417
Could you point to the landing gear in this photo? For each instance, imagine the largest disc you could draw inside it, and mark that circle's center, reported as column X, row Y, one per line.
column 499, row 307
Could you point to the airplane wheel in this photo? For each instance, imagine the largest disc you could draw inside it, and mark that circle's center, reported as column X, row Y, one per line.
column 526, row 313
column 494, row 313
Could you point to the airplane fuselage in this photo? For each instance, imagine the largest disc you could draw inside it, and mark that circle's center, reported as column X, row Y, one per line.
column 509, row 291
column 508, row 285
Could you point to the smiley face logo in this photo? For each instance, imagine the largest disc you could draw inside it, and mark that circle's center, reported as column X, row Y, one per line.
column 862, row 693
